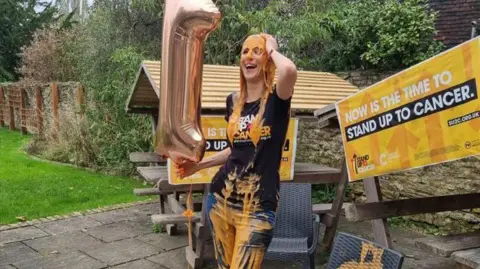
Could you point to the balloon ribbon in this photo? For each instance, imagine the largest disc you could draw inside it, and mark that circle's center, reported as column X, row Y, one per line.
column 189, row 214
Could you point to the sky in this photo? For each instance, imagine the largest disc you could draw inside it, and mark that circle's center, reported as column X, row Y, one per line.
column 89, row 2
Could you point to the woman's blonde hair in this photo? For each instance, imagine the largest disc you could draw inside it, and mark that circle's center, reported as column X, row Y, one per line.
column 256, row 128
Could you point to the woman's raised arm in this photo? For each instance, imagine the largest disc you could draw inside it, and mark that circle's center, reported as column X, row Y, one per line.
column 287, row 71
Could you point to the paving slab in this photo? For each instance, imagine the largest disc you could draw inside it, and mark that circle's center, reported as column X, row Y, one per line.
column 146, row 209
column 7, row 267
column 119, row 230
column 139, row 264
column 15, row 252
column 470, row 257
column 114, row 216
column 20, row 234
column 446, row 245
column 68, row 225
column 71, row 260
column 165, row 241
column 134, row 213
column 174, row 259
column 63, row 243
column 122, row 251
column 429, row 263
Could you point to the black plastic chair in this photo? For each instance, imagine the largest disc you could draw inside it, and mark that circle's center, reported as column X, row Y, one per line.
column 349, row 251
column 296, row 231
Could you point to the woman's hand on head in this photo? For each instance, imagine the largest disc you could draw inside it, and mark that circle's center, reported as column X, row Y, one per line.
column 286, row 69
column 271, row 43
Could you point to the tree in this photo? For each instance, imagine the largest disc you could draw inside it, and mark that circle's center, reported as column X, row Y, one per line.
column 19, row 21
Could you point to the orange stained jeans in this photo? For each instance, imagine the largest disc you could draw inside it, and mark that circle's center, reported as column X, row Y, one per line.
column 240, row 237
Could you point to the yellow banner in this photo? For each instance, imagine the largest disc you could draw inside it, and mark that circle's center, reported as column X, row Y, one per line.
column 215, row 132
column 424, row 115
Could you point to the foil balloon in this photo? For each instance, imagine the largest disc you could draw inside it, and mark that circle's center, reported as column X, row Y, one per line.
column 186, row 26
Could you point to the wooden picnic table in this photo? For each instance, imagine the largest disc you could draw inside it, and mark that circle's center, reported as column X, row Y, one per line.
column 170, row 195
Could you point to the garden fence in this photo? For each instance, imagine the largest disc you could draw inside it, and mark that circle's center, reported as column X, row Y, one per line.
column 33, row 109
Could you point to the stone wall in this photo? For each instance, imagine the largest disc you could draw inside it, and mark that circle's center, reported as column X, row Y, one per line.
column 363, row 79
column 320, row 146
column 324, row 146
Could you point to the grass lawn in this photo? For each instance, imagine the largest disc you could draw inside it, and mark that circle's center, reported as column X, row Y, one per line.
column 35, row 189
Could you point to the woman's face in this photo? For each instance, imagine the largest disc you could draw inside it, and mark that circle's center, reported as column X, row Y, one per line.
column 253, row 58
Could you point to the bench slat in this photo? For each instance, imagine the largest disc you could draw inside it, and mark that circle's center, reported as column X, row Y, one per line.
column 325, row 208
column 165, row 186
column 307, row 168
column 147, row 191
column 153, row 174
column 172, row 219
column 413, row 206
column 146, row 157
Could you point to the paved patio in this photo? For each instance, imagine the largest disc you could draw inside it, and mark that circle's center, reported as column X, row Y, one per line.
column 125, row 238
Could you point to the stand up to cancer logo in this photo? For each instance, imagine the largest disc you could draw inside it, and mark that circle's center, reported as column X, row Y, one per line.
column 361, row 163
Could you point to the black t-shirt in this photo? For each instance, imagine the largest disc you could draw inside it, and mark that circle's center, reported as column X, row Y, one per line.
column 250, row 177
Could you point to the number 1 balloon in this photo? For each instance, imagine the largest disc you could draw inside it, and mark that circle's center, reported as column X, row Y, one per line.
column 186, row 25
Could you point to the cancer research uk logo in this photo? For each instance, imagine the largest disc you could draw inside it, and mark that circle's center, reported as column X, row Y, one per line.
column 361, row 164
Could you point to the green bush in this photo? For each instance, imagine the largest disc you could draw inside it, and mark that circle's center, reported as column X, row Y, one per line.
column 386, row 35
column 114, row 131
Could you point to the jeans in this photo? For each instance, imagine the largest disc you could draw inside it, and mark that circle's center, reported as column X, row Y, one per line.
column 240, row 237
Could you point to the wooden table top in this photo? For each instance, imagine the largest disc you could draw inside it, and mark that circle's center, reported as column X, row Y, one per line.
column 303, row 173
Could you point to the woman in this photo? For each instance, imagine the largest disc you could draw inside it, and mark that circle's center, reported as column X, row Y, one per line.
column 244, row 193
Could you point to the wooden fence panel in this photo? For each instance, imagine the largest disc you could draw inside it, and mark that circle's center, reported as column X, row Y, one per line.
column 39, row 110
column 23, row 116
column 25, row 108
column 2, row 120
column 80, row 99
column 29, row 120
column 11, row 116
column 56, row 119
